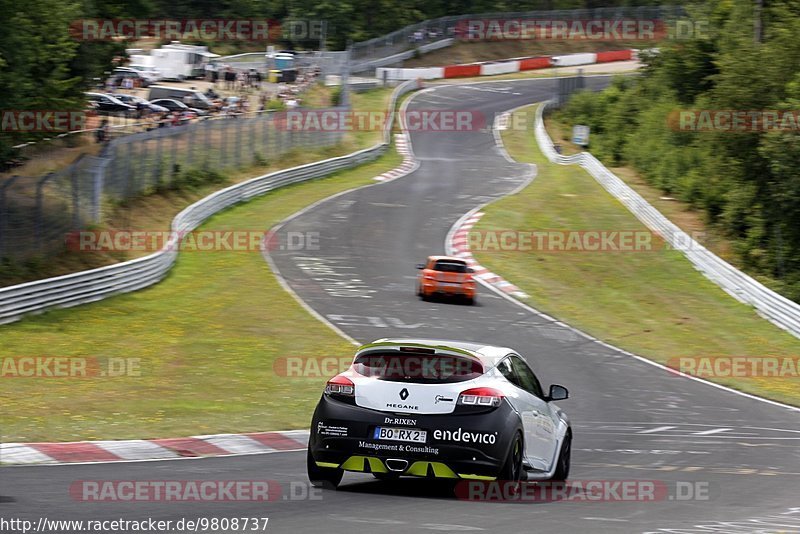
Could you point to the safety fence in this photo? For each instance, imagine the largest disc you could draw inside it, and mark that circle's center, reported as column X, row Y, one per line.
column 96, row 284
column 446, row 30
column 35, row 210
column 769, row 304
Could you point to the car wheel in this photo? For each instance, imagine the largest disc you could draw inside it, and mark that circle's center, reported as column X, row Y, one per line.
column 469, row 300
column 322, row 477
column 562, row 469
column 511, row 473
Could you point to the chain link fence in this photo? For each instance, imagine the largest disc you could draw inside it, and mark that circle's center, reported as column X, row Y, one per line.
column 37, row 212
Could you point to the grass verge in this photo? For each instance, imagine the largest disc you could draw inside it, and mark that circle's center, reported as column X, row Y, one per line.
column 653, row 303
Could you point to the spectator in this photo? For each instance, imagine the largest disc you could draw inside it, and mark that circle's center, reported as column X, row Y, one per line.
column 101, row 134
column 230, row 78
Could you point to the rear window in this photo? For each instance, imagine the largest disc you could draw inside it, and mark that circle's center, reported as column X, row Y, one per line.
column 447, row 266
column 417, row 368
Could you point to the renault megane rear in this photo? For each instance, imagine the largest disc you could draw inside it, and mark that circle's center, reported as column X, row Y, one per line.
column 441, row 409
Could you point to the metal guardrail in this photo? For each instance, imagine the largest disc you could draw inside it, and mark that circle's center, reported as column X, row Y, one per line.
column 767, row 303
column 366, row 65
column 97, row 284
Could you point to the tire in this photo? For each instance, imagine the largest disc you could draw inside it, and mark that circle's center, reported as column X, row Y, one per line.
column 511, row 472
column 564, row 459
column 322, row 477
column 470, row 301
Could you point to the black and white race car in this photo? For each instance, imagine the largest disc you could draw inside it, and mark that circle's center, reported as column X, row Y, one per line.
column 441, row 409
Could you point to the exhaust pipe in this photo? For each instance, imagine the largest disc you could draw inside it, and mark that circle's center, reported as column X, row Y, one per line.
column 396, row 465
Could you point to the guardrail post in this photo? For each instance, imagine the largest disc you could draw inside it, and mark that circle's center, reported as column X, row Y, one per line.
column 157, row 159
column 144, row 160
column 207, row 142
column 76, row 202
column 97, row 189
column 252, row 138
column 190, row 143
column 173, row 167
column 38, row 216
column 239, row 120
column 4, row 214
column 265, row 138
column 223, row 144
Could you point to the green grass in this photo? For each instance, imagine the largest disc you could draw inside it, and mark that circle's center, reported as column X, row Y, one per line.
column 207, row 336
column 651, row 303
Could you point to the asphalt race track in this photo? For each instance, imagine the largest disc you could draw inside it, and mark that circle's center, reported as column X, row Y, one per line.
column 631, row 420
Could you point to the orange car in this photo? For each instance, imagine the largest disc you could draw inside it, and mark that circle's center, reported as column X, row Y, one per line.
column 446, row 275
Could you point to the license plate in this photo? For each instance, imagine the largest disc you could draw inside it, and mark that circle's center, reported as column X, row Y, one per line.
column 400, row 434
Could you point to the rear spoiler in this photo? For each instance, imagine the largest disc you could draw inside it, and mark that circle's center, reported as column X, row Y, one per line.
column 445, row 349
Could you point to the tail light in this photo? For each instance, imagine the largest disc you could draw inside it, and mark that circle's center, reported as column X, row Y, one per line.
column 486, row 397
column 340, row 386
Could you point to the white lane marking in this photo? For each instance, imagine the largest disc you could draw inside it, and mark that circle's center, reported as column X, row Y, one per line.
column 657, row 429
column 643, row 451
column 712, row 431
column 770, row 524
column 450, row 528
column 371, row 321
column 370, row 520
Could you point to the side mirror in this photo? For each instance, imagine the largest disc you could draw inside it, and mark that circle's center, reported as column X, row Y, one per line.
column 470, row 270
column 557, row 393
column 420, row 266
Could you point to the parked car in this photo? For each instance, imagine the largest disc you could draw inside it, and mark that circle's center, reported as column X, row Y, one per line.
column 191, row 97
column 150, row 72
column 176, row 106
column 142, row 106
column 139, row 78
column 108, row 104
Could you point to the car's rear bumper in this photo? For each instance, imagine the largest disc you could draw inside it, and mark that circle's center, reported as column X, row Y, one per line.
column 342, row 435
column 445, row 289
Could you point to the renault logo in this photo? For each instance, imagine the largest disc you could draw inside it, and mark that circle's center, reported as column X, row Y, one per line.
column 404, row 393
